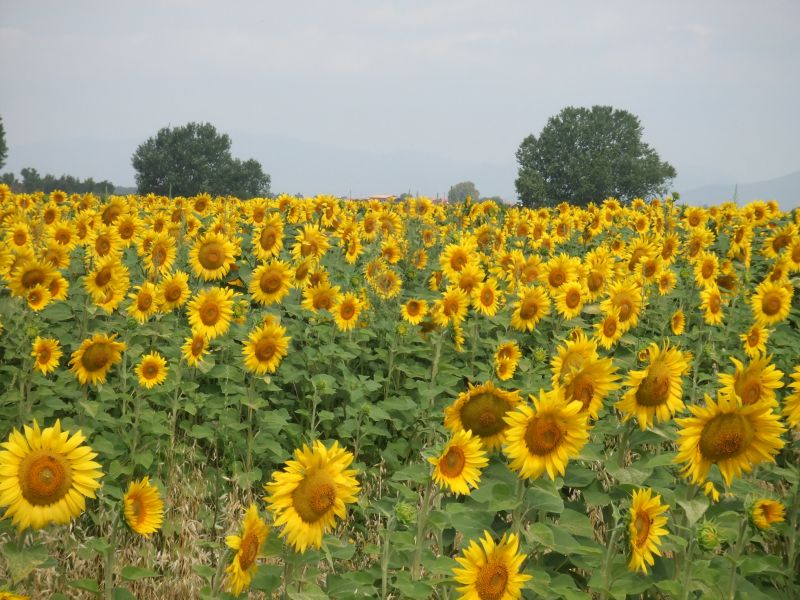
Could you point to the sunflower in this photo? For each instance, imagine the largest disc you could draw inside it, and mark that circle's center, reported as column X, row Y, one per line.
column 307, row 496
column 414, row 311
column 559, row 270
column 144, row 302
column 486, row 297
column 543, row 438
column 626, row 297
column 4, row 595
column 194, row 349
column 320, row 297
column 173, row 291
column 247, row 547
column 456, row 257
column 712, row 305
column 771, row 303
column 46, row 476
column 608, row 331
column 161, row 255
column 95, row 357
column 28, row 274
column 271, row 282
column 142, row 507
column 210, row 311
column 152, row 370
column 265, row 348
column 38, row 297
column 706, row 268
column 460, row 463
column 452, row 307
column 506, row 359
column 655, row 393
column 505, row 369
column 268, row 239
column 791, row 403
column 569, row 299
column 589, row 384
column 755, row 383
column 646, row 528
column 677, row 322
column 572, row 355
column 764, row 512
column 481, row 410
column 211, row 256
column 667, row 280
column 531, row 306
column 346, row 310
column 387, row 284
column 490, row 571
column 733, row 436
column 47, row 352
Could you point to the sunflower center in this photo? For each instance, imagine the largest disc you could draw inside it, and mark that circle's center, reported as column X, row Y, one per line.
column 103, row 276
column 780, row 242
column 44, row 355
column 581, row 388
column 451, row 306
column 610, row 327
column 314, row 496
column 796, row 253
column 102, row 245
column 487, row 297
column 347, row 311
column 641, row 524
column 264, row 349
column 707, row 271
column 413, row 308
column 453, row 462
column 111, row 213
column 483, row 414
column 198, row 344
column 542, row 435
column 771, row 304
column 267, row 239
column 322, row 299
column 159, row 256
column 20, row 238
column 649, row 268
column 714, row 303
column 725, row 436
column 654, row 389
column 749, row 390
column 33, row 277
column 248, row 551
column 150, row 371
column 270, row 282
column 458, row 260
column 556, row 278
column 211, row 256
column 753, row 338
column 625, row 307
column 595, row 281
column 44, row 477
column 573, row 298
column 528, row 309
column 96, row 356
column 492, row 581
column 173, row 292
column 209, row 314
column 144, row 301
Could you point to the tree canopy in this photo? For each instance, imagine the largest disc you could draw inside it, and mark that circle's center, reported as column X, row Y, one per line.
column 33, row 181
column 195, row 158
column 584, row 155
column 460, row 191
column 3, row 145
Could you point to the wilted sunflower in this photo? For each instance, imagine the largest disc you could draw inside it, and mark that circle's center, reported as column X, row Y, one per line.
column 655, row 393
column 95, row 357
column 210, row 311
column 460, row 463
column 726, row 433
column 142, row 507
column 346, row 311
column 194, row 349
column 531, row 306
column 46, row 476
column 481, row 410
column 265, row 348
column 47, row 352
column 307, row 496
column 646, row 528
column 152, row 370
column 271, row 282
column 755, row 383
column 771, row 303
column 677, row 322
column 543, row 438
column 211, row 256
column 490, row 571
column 173, row 292
column 247, row 547
column 589, row 384
column 764, row 512
column 414, row 311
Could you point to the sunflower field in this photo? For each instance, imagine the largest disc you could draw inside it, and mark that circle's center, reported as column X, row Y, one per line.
column 312, row 398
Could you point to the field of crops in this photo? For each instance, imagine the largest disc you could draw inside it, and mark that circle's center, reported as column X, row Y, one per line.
column 312, row 398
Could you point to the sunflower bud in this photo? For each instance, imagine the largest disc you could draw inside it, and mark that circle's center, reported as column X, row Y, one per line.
column 708, row 537
column 401, row 328
column 540, row 354
column 405, row 513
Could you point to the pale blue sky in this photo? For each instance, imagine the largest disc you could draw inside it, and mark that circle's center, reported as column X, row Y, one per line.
column 369, row 96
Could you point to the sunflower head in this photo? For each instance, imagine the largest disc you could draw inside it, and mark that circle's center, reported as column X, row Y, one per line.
column 645, row 528
column 481, row 410
column 94, row 358
column 765, row 512
column 247, row 547
column 459, row 465
column 152, row 370
column 142, row 507
column 490, row 571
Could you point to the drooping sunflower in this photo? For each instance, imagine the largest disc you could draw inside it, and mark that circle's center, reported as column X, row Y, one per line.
column 414, row 311
column 729, row 434
column 152, row 370
column 677, row 322
column 271, row 282
column 490, row 571
column 307, row 496
column 194, row 349
column 544, row 438
column 95, row 357
column 531, row 306
column 142, row 507
column 144, row 302
column 46, row 476
column 459, row 465
column 655, row 393
column 346, row 311
column 764, row 512
column 646, row 527
column 754, row 383
column 173, row 291
column 247, row 547
column 771, row 303
column 589, row 384
column 265, row 348
column 47, row 352
column 481, row 410
column 210, row 311
column 211, row 256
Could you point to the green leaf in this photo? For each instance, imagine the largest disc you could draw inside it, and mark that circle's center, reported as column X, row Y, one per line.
column 267, row 578
column 135, row 573
column 694, row 508
column 544, row 498
column 23, row 561
column 119, row 593
column 90, row 585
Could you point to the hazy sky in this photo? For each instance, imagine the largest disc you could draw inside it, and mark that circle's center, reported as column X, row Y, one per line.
column 409, row 84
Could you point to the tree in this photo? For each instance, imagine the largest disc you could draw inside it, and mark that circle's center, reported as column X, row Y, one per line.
column 586, row 155
column 3, row 145
column 188, row 160
column 460, row 191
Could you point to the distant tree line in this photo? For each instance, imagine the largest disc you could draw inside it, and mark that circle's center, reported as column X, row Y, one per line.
column 32, row 181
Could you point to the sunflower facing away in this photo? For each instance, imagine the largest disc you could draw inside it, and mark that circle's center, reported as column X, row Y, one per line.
column 646, row 528
column 307, row 496
column 490, row 571
column 655, row 393
column 152, row 370
column 142, row 507
column 459, row 465
column 764, row 512
column 47, row 352
column 729, row 434
column 543, row 438
column 95, row 357
column 46, row 476
column 481, row 410
column 247, row 547
column 265, row 348
column 754, row 383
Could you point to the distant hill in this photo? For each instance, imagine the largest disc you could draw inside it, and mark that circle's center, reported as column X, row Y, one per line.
column 786, row 190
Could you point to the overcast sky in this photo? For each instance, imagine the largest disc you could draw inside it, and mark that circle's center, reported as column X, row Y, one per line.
column 451, row 87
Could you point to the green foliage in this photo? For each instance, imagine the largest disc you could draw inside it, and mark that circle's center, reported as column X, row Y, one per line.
column 460, row 191
column 585, row 155
column 3, row 145
column 32, row 181
column 189, row 160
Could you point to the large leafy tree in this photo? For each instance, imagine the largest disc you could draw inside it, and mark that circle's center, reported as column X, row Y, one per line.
column 195, row 158
column 460, row 191
column 588, row 154
column 3, row 145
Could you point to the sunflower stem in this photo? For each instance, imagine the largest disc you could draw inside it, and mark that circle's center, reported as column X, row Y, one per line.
column 385, row 553
column 737, row 552
column 609, row 559
column 422, row 521
column 108, row 568
column 687, row 567
column 792, row 549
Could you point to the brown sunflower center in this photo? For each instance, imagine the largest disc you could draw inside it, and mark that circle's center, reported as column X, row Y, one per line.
column 625, row 307
column 144, row 301
column 267, row 238
column 322, row 299
column 111, row 213
column 492, row 581
column 595, row 281
column 453, row 462
column 714, row 303
column 573, row 298
column 458, row 260
column 159, row 255
column 45, row 477
column 556, row 278
column 20, row 237
column 33, row 277
column 210, row 314
column 649, row 268
column 528, row 309
column 796, row 253
column 451, row 306
column 543, row 435
column 641, row 524
column 173, row 292
column 610, row 327
column 707, row 271
column 96, row 356
column 753, row 338
column 725, row 436
column 483, row 414
column 771, row 304
column 347, row 311
column 748, row 389
column 102, row 245
column 103, row 276
column 780, row 242
column 211, row 256
column 264, row 349
column 581, row 389
column 150, row 370
column 248, row 550
column 44, row 355
column 314, row 496
column 653, row 390
column 487, row 297
column 270, row 282
column 413, row 308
